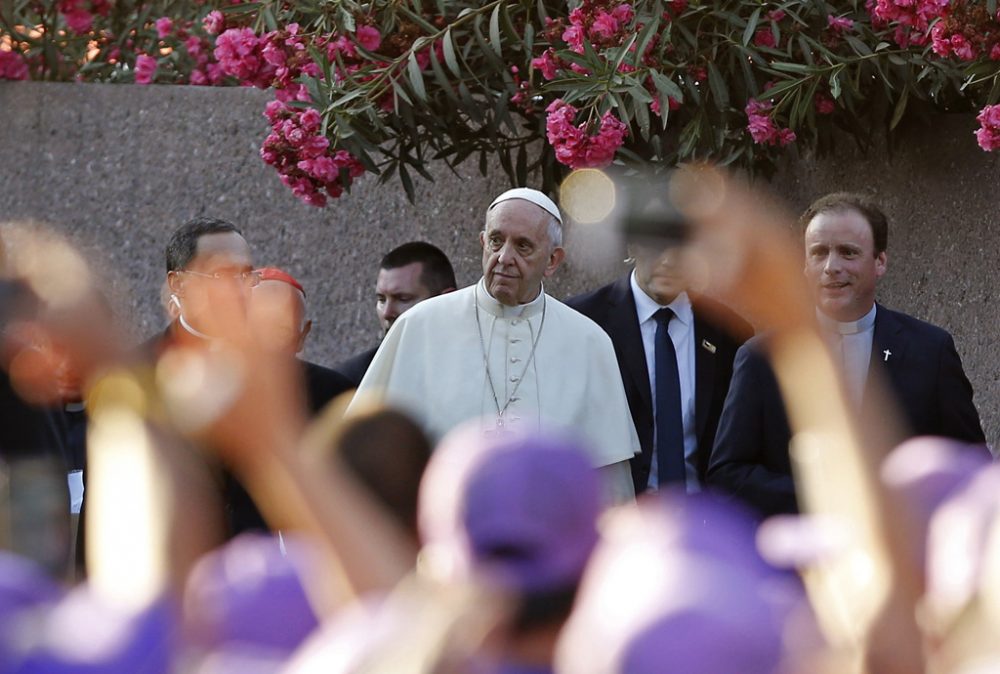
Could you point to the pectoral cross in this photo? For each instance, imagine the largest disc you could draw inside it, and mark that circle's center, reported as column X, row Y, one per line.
column 500, row 430
column 887, row 353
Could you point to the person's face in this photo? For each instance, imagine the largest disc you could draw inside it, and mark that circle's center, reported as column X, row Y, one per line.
column 218, row 273
column 660, row 272
column 841, row 264
column 277, row 314
column 397, row 290
column 517, row 252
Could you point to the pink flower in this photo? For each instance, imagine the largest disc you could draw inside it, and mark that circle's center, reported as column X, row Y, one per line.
column 194, row 46
column 164, row 27
column 961, row 47
column 824, row 104
column 573, row 36
column 764, row 38
column 199, row 78
column 311, row 120
column 776, row 15
column 145, row 69
column 761, row 125
column 573, row 146
column 237, row 52
column 368, row 37
column 990, row 117
column 547, row 64
column 321, row 168
column 214, row 23
column 12, row 66
column 839, row 24
column 604, row 26
column 79, row 20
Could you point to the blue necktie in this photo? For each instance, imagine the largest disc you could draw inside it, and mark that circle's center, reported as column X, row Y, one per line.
column 669, row 427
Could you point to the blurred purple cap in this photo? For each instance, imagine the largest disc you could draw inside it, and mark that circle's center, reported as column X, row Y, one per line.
column 925, row 471
column 676, row 584
column 84, row 634
column 250, row 592
column 522, row 508
column 962, row 543
column 25, row 590
column 23, row 585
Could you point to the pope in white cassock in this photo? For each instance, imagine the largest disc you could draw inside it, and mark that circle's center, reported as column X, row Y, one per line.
column 505, row 352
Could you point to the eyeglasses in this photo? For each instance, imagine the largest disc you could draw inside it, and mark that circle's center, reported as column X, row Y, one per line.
column 247, row 278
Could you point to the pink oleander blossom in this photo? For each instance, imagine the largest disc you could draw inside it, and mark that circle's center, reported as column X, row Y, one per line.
column 825, row 105
column 164, row 27
column 238, row 52
column 214, row 23
column 368, row 37
column 776, row 15
column 303, row 158
column 911, row 17
column 145, row 69
column 79, row 21
column 12, row 66
column 764, row 37
column 574, row 146
column 839, row 24
column 761, row 125
column 547, row 63
column 988, row 135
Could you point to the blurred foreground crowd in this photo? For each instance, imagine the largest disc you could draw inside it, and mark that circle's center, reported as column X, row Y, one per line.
column 627, row 481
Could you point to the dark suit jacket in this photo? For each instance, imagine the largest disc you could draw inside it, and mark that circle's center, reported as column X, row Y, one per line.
column 355, row 367
column 750, row 459
column 613, row 308
column 323, row 385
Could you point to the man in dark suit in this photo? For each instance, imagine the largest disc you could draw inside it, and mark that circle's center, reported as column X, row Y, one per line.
column 278, row 314
column 677, row 418
column 407, row 275
column 845, row 239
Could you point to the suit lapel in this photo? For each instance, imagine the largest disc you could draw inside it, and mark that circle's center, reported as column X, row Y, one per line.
column 704, row 372
column 888, row 347
column 623, row 320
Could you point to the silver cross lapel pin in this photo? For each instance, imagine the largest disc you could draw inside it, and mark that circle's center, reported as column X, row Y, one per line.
column 886, row 353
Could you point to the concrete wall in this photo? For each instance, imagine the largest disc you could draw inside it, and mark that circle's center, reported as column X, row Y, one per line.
column 118, row 167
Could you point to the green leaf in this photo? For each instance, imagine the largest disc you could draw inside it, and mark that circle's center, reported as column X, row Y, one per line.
column 521, row 172
column 404, row 177
column 268, row 17
column 791, row 67
column 835, row 85
column 641, row 110
column 449, row 54
column 645, row 37
column 897, row 113
column 416, row 78
column 495, row 31
column 400, row 92
column 441, row 78
column 751, row 26
column 667, row 86
column 718, row 86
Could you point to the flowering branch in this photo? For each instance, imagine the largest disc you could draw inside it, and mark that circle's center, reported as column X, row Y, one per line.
column 386, row 86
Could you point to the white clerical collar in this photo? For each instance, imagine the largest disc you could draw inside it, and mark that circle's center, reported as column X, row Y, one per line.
column 187, row 326
column 646, row 306
column 863, row 324
column 491, row 305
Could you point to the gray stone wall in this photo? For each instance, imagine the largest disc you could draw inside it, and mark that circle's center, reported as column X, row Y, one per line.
column 117, row 167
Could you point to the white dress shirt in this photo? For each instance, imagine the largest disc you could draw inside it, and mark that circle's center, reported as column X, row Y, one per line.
column 851, row 342
column 681, row 331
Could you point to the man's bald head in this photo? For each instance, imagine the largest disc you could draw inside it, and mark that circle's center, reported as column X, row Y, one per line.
column 278, row 311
